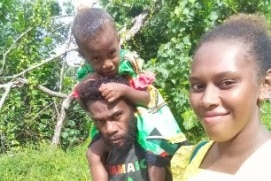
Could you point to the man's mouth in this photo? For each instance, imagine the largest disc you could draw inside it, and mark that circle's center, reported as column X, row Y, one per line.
column 115, row 140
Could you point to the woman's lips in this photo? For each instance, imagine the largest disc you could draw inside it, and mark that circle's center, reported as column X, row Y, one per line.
column 213, row 117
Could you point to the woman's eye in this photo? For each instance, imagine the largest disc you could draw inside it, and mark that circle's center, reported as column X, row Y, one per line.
column 225, row 84
column 196, row 87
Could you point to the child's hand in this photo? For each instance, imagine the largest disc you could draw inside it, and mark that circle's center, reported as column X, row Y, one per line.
column 113, row 91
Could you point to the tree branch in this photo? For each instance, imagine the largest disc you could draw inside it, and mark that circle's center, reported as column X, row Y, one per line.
column 68, row 42
column 11, row 47
column 138, row 22
column 7, row 88
column 38, row 65
column 17, row 83
column 60, row 120
column 21, row 82
column 52, row 93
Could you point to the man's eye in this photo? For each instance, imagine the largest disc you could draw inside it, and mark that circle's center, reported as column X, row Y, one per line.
column 99, row 122
column 117, row 116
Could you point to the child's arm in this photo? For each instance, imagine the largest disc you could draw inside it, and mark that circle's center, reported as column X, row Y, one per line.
column 113, row 91
column 94, row 155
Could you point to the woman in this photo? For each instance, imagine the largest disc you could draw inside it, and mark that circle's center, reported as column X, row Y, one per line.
column 230, row 77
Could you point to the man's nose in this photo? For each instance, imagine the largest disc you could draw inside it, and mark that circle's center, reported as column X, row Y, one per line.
column 210, row 97
column 110, row 128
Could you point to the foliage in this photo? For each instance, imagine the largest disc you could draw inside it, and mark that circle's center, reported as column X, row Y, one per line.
column 77, row 127
column 44, row 162
column 29, row 115
column 265, row 109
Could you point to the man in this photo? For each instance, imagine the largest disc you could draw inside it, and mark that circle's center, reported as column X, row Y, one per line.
column 125, row 159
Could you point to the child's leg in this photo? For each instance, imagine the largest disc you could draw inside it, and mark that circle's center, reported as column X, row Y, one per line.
column 156, row 173
column 157, row 167
column 94, row 155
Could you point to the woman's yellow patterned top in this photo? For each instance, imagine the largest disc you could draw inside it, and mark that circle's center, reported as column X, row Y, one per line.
column 187, row 159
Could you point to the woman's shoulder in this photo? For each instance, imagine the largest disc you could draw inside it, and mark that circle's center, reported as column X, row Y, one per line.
column 257, row 166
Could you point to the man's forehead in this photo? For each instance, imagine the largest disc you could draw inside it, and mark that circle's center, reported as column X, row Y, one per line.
column 102, row 107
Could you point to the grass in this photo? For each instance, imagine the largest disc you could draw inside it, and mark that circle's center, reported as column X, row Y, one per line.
column 46, row 163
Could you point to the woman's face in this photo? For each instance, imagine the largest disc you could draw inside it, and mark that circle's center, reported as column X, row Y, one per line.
column 224, row 89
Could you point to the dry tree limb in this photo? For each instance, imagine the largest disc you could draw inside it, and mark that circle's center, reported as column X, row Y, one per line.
column 52, row 93
column 12, row 46
column 17, row 83
column 38, row 65
column 7, row 88
column 20, row 82
column 60, row 120
column 138, row 22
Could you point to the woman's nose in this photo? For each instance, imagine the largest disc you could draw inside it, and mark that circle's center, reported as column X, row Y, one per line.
column 210, row 97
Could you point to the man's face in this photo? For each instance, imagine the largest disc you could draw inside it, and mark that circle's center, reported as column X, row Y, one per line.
column 114, row 121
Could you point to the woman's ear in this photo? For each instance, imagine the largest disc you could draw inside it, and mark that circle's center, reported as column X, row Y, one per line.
column 265, row 92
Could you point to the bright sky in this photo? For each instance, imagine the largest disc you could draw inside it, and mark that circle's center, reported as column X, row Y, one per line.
column 81, row 3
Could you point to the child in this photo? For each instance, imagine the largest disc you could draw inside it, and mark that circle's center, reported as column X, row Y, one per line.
column 230, row 77
column 159, row 134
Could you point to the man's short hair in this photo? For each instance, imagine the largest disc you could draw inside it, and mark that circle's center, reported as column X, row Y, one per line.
column 88, row 90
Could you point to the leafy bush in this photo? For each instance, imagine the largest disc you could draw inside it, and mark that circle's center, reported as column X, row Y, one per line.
column 45, row 162
column 265, row 109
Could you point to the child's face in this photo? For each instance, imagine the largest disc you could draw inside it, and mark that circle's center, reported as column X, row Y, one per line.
column 224, row 89
column 102, row 51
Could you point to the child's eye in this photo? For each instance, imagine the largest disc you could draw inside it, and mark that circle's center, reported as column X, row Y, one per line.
column 95, row 60
column 112, row 54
